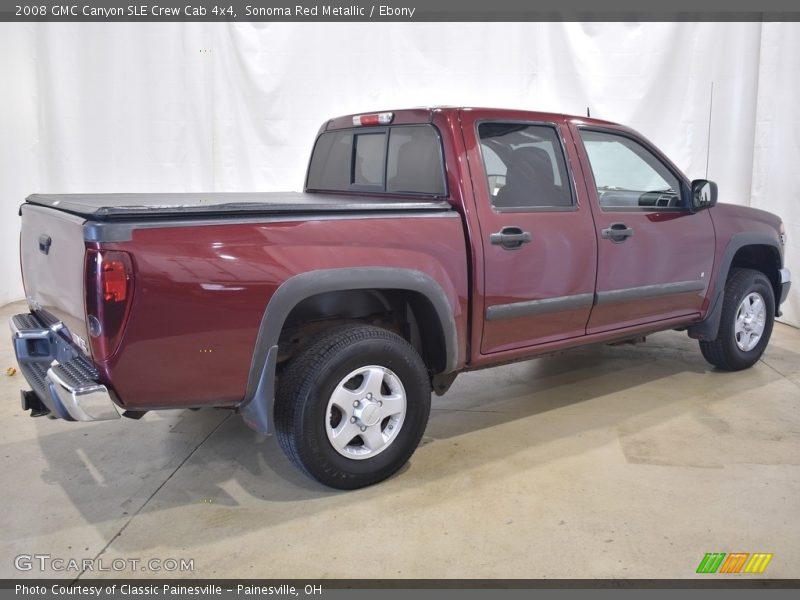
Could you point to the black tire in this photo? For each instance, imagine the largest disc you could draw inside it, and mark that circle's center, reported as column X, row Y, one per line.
column 723, row 352
column 307, row 384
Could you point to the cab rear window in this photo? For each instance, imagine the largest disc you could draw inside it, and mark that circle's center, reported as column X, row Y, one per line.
column 405, row 159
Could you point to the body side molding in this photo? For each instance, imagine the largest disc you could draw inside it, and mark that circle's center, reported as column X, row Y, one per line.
column 561, row 303
column 649, row 291
column 538, row 307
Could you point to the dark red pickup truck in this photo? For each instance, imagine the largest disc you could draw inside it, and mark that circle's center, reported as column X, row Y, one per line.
column 427, row 242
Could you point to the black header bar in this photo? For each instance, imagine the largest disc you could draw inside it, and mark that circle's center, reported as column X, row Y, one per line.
column 396, row 10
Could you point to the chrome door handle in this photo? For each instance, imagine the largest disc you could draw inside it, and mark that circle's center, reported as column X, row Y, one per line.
column 510, row 238
column 617, row 232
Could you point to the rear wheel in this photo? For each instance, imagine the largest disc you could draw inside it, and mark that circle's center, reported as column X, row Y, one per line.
column 352, row 407
column 748, row 313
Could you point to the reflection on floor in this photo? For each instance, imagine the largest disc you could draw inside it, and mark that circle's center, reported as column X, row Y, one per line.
column 627, row 461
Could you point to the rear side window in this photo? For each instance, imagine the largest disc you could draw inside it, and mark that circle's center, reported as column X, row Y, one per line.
column 525, row 166
column 404, row 159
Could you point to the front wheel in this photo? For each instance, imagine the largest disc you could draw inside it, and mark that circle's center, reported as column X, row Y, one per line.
column 351, row 408
column 748, row 313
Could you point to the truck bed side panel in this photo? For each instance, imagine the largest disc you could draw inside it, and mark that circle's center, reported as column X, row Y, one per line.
column 201, row 292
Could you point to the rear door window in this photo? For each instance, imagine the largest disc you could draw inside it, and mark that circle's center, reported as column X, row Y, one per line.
column 525, row 166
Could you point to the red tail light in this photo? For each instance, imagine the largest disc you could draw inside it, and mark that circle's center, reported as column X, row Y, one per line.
column 109, row 293
column 114, row 278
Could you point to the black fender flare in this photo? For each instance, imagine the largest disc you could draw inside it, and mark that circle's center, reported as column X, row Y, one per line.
column 708, row 328
column 259, row 400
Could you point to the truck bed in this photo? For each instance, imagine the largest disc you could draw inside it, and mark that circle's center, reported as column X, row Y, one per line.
column 113, row 207
column 205, row 269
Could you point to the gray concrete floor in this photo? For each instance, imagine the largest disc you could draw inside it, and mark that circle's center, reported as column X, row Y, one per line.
column 628, row 461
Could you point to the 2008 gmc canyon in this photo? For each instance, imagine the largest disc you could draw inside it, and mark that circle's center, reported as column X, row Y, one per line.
column 427, row 242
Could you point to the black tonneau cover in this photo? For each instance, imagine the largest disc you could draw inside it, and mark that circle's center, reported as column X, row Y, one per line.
column 112, row 207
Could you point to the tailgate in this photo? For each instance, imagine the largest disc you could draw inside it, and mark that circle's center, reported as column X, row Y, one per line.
column 52, row 253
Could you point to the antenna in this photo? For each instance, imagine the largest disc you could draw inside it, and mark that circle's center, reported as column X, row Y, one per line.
column 708, row 143
column 588, row 114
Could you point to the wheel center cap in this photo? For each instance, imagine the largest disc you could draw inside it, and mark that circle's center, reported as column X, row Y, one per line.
column 368, row 413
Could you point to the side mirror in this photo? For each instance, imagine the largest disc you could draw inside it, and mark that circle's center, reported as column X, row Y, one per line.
column 704, row 194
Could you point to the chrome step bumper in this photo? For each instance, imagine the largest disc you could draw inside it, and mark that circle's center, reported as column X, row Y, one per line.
column 62, row 378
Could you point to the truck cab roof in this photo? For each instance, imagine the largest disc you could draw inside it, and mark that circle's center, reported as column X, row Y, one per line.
column 408, row 116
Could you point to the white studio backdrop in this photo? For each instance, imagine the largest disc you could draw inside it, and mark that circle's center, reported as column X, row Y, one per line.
column 90, row 107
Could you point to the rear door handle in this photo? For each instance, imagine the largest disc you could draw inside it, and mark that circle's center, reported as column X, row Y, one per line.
column 510, row 238
column 617, row 232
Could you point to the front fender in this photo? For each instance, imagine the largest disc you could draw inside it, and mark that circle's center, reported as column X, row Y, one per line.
column 708, row 328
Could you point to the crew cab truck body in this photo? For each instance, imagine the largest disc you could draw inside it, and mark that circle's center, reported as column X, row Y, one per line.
column 427, row 242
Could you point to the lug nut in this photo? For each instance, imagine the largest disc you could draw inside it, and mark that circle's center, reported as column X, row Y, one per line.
column 356, row 403
column 363, row 428
column 390, row 427
column 380, row 402
column 352, row 419
column 369, row 396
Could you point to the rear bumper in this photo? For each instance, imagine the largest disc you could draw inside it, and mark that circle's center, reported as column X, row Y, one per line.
column 786, row 283
column 62, row 378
